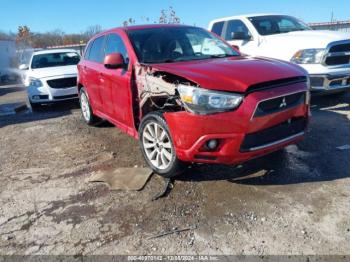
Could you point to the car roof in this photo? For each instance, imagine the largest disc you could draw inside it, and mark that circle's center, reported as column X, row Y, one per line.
column 53, row 51
column 140, row 27
column 242, row 16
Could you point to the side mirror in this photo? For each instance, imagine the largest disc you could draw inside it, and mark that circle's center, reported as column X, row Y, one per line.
column 23, row 67
column 114, row 61
column 240, row 36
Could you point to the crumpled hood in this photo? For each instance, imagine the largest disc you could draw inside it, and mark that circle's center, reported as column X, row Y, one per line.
column 53, row 71
column 234, row 74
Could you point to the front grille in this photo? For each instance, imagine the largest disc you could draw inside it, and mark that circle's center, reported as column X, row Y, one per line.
column 66, row 97
column 273, row 134
column 338, row 54
column 276, row 83
column 338, row 60
column 62, row 82
column 340, row 48
column 278, row 104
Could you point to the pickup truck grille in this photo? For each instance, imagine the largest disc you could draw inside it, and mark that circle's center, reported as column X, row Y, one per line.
column 62, row 82
column 338, row 53
column 278, row 104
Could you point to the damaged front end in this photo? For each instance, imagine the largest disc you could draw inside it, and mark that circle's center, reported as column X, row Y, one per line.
column 161, row 90
column 158, row 90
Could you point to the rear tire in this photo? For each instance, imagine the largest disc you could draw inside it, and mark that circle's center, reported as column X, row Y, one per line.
column 157, row 146
column 86, row 110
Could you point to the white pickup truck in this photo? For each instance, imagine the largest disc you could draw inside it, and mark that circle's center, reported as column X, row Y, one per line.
column 325, row 55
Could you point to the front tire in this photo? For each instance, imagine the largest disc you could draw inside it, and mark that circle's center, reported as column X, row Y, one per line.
column 35, row 107
column 157, row 146
column 86, row 110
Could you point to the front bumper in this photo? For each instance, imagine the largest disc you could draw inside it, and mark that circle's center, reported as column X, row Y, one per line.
column 328, row 79
column 191, row 132
column 46, row 94
column 330, row 83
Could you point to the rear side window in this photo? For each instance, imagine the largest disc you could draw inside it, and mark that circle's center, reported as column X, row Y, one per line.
column 87, row 50
column 115, row 44
column 234, row 26
column 217, row 28
column 96, row 52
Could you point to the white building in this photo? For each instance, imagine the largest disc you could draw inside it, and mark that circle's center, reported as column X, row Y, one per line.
column 7, row 57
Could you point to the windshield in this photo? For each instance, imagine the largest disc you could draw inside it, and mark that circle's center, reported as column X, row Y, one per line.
column 171, row 44
column 277, row 24
column 55, row 59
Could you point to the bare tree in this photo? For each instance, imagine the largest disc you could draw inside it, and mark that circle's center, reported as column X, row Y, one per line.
column 92, row 30
column 23, row 38
column 169, row 16
column 5, row 36
column 128, row 22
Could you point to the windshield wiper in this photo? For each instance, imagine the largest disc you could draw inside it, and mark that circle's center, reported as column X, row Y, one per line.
column 220, row 55
column 170, row 60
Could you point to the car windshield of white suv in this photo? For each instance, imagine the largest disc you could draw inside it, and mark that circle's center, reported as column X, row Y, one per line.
column 55, row 59
column 277, row 24
column 173, row 44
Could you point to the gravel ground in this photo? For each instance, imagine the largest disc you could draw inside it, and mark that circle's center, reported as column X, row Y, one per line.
column 292, row 202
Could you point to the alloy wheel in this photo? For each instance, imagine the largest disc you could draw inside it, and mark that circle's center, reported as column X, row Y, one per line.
column 157, row 145
column 85, row 108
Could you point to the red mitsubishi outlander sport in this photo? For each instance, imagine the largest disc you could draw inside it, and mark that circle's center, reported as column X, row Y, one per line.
column 188, row 96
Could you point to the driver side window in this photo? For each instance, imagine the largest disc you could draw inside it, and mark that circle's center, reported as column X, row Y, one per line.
column 115, row 44
column 236, row 26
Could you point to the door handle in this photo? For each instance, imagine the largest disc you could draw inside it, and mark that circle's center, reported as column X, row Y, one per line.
column 101, row 77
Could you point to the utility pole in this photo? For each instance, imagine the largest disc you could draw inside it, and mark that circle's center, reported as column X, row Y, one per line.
column 332, row 20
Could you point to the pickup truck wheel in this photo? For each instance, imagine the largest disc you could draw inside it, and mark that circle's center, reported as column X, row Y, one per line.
column 157, row 146
column 86, row 110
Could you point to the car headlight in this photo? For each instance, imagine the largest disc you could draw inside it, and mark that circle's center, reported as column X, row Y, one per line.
column 201, row 101
column 31, row 81
column 308, row 56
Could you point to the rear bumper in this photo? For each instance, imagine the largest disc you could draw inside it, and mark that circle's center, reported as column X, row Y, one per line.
column 190, row 132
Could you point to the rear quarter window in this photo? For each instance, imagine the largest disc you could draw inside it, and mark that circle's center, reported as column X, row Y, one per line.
column 87, row 50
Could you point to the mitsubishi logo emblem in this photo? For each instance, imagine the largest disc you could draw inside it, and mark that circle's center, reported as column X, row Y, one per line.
column 283, row 103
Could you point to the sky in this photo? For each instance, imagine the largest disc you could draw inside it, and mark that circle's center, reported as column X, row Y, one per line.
column 74, row 16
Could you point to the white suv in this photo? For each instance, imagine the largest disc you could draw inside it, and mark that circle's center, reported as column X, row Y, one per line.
column 51, row 76
column 325, row 55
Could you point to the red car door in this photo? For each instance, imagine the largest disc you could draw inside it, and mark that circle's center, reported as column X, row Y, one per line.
column 93, row 66
column 116, row 88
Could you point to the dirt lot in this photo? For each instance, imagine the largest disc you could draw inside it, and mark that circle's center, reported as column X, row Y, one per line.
column 295, row 202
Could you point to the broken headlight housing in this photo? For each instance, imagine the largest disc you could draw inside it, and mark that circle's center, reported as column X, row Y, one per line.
column 308, row 56
column 202, row 101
